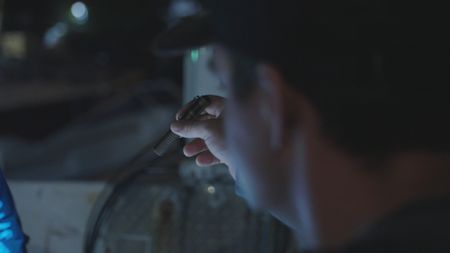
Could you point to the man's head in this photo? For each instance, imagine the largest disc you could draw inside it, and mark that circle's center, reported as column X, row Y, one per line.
column 324, row 96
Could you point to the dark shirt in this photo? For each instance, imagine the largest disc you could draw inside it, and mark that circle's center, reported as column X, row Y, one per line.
column 420, row 228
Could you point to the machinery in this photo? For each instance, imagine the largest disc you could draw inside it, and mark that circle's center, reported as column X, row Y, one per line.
column 190, row 210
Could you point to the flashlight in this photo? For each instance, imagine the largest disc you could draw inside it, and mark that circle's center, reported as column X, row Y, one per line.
column 193, row 110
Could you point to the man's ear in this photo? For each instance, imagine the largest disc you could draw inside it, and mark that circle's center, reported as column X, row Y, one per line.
column 273, row 103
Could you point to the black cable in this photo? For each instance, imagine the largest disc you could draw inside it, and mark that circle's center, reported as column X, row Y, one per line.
column 120, row 181
column 123, row 179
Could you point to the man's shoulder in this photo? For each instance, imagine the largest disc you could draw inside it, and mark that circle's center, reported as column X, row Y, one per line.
column 421, row 227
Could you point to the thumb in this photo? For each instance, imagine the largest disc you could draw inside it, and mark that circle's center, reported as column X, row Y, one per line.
column 193, row 129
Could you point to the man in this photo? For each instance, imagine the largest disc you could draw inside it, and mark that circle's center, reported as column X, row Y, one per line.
column 336, row 120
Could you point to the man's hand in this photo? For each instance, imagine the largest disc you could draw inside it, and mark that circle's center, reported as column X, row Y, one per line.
column 207, row 131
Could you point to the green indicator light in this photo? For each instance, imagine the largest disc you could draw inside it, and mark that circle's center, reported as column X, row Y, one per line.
column 195, row 54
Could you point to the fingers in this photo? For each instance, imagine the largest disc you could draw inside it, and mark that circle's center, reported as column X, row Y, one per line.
column 207, row 127
column 194, row 148
column 206, row 159
column 205, row 117
column 202, row 129
column 183, row 110
column 198, row 147
column 214, row 109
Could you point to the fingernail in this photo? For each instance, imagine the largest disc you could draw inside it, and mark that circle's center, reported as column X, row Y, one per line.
column 175, row 127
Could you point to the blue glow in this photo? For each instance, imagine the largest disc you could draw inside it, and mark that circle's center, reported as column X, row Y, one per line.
column 5, row 225
column 12, row 239
column 5, row 231
column 6, row 235
column 3, row 248
column 80, row 12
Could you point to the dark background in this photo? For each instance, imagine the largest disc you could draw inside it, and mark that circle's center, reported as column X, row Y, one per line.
column 106, row 60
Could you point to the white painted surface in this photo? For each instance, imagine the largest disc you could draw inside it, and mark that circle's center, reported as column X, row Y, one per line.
column 198, row 79
column 55, row 214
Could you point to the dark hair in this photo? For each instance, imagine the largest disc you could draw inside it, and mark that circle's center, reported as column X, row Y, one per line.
column 364, row 107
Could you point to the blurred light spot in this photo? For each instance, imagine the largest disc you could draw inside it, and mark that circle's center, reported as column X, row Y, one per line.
column 211, row 189
column 55, row 34
column 80, row 12
column 14, row 45
column 179, row 9
column 195, row 55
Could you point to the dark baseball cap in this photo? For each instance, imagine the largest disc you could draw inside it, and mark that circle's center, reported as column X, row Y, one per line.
column 327, row 38
column 186, row 33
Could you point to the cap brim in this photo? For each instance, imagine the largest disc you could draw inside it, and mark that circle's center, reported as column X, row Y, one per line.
column 188, row 33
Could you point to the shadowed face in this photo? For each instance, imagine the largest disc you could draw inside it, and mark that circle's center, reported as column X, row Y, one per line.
column 257, row 158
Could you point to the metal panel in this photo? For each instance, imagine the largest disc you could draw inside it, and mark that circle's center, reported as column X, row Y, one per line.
column 54, row 215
